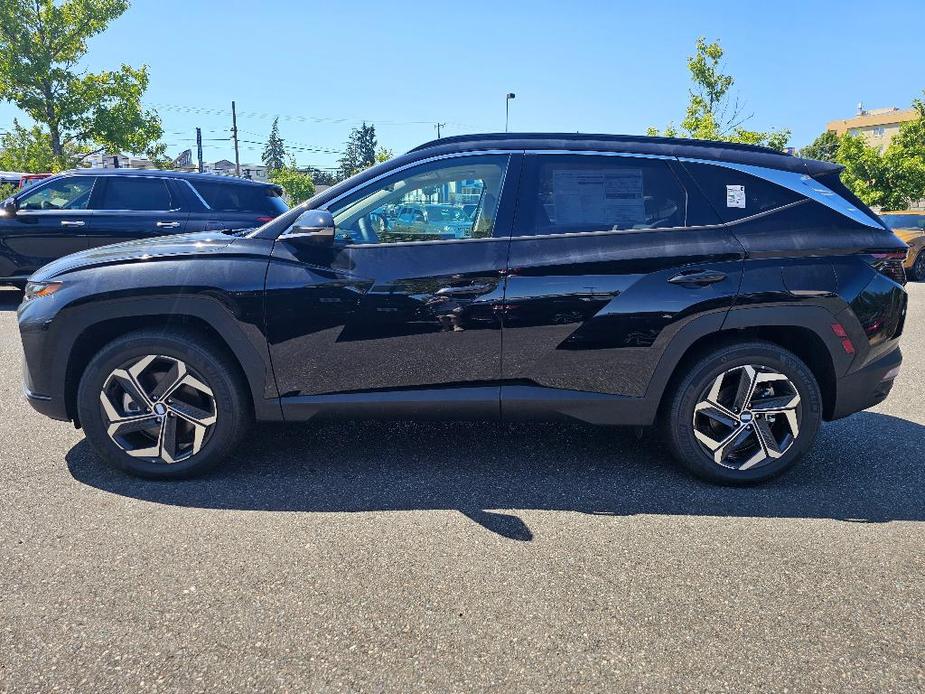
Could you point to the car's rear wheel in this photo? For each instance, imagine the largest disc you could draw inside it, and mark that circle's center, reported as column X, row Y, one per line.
column 162, row 404
column 744, row 414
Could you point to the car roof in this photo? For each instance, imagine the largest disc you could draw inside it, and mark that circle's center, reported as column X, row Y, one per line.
column 161, row 173
column 754, row 155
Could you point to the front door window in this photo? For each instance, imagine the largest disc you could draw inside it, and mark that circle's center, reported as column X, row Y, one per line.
column 70, row 193
column 449, row 199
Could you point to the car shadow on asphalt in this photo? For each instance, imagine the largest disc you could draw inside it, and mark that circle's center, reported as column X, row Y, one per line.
column 867, row 468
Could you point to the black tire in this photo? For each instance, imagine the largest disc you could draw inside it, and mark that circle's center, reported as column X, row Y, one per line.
column 917, row 271
column 680, row 414
column 207, row 362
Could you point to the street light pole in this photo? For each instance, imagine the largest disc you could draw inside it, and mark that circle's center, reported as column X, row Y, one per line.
column 507, row 110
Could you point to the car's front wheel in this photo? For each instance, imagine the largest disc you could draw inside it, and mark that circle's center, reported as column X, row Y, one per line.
column 744, row 414
column 162, row 404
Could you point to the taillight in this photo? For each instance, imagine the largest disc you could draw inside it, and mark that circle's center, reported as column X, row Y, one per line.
column 264, row 220
column 890, row 265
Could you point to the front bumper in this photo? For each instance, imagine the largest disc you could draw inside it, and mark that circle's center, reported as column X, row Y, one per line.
column 867, row 386
column 47, row 405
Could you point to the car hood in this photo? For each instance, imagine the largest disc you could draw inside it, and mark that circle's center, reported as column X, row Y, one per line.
column 144, row 249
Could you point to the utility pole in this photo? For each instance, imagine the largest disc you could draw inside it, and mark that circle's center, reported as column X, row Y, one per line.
column 234, row 135
column 438, row 126
column 199, row 147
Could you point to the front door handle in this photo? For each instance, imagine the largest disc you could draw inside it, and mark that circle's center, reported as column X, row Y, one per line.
column 698, row 278
column 69, row 223
column 167, row 225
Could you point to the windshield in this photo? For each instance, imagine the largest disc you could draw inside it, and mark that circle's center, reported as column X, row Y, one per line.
column 904, row 221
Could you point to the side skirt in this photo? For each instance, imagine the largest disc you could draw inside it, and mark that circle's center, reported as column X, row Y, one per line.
column 508, row 402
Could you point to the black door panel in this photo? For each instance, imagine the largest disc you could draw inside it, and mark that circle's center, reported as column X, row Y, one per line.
column 386, row 316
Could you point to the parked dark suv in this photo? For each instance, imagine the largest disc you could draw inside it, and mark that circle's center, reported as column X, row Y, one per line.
column 86, row 208
column 733, row 295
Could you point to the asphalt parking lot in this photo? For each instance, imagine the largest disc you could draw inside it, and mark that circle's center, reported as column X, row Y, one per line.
column 461, row 557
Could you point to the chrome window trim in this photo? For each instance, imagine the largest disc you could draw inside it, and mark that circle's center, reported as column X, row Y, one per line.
column 805, row 186
column 418, row 162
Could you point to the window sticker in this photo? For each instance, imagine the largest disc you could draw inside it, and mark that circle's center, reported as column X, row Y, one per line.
column 735, row 196
column 610, row 195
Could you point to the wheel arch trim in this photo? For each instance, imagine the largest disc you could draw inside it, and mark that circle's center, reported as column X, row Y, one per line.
column 172, row 311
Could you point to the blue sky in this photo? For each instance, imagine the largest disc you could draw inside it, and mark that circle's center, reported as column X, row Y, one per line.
column 581, row 66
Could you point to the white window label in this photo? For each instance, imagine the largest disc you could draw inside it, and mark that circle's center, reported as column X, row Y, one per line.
column 735, row 196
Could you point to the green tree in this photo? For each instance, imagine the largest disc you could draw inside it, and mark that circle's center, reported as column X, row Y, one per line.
column 274, row 154
column 711, row 113
column 297, row 185
column 824, row 147
column 359, row 151
column 894, row 178
column 383, row 154
column 41, row 44
column 29, row 150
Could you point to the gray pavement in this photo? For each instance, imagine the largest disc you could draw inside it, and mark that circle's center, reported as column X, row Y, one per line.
column 462, row 557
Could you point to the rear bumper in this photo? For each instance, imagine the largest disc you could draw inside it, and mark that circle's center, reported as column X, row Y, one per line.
column 867, row 386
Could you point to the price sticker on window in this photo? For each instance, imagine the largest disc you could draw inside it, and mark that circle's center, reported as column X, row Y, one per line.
column 735, row 196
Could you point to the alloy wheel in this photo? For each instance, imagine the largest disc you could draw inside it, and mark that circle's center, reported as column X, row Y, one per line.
column 158, row 409
column 748, row 417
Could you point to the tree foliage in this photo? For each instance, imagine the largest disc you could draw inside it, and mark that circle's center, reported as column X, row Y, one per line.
column 29, row 150
column 298, row 185
column 41, row 44
column 824, row 147
column 359, row 151
column 712, row 114
column 274, row 154
column 894, row 178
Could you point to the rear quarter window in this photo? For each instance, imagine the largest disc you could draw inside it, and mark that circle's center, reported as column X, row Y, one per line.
column 235, row 197
column 736, row 195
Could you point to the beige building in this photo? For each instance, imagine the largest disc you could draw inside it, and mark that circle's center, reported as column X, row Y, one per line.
column 877, row 126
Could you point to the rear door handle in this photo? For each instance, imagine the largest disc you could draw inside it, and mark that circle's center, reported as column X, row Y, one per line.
column 68, row 223
column 167, row 225
column 698, row 278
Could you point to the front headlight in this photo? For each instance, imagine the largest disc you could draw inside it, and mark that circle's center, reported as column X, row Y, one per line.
column 36, row 290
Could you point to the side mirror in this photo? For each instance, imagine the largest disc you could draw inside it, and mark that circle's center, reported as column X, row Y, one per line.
column 313, row 224
column 10, row 207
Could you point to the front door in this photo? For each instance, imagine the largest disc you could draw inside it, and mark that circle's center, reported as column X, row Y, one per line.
column 391, row 307
column 53, row 220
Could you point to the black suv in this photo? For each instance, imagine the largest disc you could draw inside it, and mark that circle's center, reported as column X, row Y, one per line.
column 86, row 208
column 733, row 295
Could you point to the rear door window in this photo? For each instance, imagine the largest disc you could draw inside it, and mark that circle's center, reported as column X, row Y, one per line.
column 235, row 197
column 736, row 195
column 580, row 193
column 136, row 193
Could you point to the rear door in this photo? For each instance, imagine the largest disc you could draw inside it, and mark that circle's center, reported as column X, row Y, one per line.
column 610, row 257
column 53, row 220
column 132, row 207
